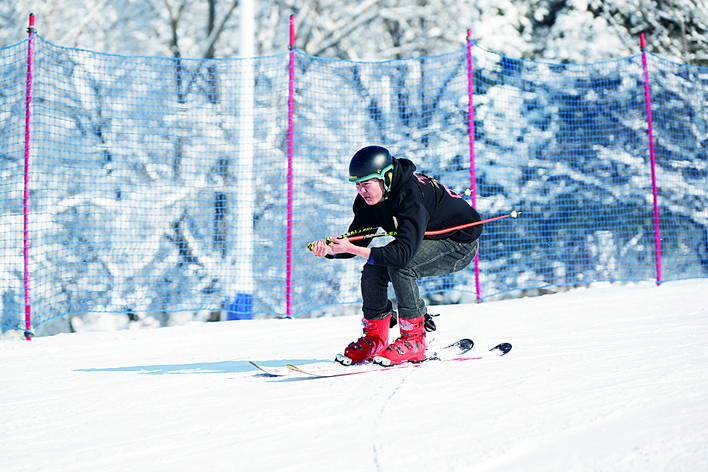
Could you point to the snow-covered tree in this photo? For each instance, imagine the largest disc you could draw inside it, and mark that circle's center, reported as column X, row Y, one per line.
column 575, row 31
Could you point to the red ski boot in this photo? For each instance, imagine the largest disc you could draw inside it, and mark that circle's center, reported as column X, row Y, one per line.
column 373, row 342
column 410, row 347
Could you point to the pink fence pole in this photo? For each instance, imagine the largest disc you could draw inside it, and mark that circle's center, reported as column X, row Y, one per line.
column 647, row 99
column 470, row 125
column 291, row 119
column 26, row 195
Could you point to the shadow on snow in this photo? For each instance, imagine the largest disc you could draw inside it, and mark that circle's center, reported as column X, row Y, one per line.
column 221, row 367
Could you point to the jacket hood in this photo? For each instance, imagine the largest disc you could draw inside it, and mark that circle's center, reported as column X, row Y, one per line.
column 403, row 169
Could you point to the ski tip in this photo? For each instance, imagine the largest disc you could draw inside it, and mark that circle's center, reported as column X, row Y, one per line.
column 503, row 348
column 455, row 349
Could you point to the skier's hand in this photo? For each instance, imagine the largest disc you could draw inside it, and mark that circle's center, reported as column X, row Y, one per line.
column 321, row 248
column 340, row 245
column 337, row 245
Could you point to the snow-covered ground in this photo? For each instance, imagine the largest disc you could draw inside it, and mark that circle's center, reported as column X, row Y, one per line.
column 611, row 378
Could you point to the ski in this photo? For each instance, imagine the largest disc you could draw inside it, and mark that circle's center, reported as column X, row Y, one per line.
column 457, row 351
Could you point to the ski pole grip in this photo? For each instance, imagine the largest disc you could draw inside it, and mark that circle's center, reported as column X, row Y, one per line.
column 328, row 240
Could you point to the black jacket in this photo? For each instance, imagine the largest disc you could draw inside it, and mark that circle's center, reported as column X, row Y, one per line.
column 413, row 205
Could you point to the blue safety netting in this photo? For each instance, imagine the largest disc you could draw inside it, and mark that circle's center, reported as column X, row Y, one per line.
column 160, row 185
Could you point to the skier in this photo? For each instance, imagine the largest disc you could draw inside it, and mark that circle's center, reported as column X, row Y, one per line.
column 391, row 195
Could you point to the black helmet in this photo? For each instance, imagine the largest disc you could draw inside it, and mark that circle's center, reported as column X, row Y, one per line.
column 372, row 162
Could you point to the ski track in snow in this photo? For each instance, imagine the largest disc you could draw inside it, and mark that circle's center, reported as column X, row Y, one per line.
column 610, row 378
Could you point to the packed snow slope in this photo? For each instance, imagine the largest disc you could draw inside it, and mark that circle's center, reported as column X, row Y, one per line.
column 609, row 378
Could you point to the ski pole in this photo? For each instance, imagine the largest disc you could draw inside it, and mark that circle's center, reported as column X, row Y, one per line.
column 353, row 236
column 513, row 214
